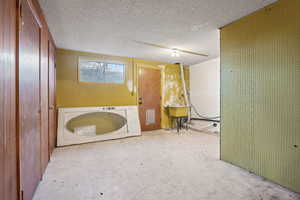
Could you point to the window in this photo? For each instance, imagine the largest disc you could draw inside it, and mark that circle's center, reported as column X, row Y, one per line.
column 101, row 72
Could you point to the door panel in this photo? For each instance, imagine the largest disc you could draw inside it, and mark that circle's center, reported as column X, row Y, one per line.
column 8, row 142
column 149, row 99
column 52, row 113
column 29, row 102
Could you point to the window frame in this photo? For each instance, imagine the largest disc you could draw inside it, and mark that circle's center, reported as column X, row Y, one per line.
column 105, row 61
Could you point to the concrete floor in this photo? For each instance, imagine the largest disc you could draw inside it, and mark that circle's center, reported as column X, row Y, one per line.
column 159, row 165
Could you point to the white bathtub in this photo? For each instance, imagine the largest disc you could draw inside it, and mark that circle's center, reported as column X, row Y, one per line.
column 90, row 124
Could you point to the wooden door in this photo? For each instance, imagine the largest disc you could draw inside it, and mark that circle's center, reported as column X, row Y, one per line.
column 8, row 140
column 29, row 101
column 52, row 113
column 149, row 99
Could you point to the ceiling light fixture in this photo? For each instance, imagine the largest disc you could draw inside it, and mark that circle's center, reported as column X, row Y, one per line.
column 175, row 53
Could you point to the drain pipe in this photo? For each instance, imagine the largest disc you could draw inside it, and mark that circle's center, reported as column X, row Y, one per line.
column 186, row 98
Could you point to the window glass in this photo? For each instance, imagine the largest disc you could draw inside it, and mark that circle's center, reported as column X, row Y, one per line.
column 101, row 72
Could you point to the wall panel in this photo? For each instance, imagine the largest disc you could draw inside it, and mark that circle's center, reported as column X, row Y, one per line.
column 9, row 95
column 8, row 143
column 205, row 88
column 260, row 94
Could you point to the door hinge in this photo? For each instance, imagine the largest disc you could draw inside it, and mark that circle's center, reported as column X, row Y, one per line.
column 18, row 3
column 22, row 195
column 20, row 10
column 21, row 23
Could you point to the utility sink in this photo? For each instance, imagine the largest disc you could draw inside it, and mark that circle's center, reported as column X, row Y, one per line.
column 178, row 110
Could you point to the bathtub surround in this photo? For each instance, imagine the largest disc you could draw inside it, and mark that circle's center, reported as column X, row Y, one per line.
column 91, row 124
column 72, row 93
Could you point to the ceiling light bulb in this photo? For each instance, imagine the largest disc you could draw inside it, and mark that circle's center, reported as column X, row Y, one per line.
column 175, row 53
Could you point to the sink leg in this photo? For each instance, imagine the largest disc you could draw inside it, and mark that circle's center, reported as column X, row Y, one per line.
column 178, row 124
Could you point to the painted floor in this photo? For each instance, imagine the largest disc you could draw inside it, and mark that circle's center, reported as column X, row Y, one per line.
column 159, row 165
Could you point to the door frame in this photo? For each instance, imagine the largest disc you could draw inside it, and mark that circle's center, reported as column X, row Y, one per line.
column 138, row 66
column 52, row 135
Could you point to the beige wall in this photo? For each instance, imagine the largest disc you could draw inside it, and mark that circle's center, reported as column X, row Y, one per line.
column 205, row 87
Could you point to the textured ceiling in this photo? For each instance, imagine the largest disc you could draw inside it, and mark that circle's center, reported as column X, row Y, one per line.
column 110, row 26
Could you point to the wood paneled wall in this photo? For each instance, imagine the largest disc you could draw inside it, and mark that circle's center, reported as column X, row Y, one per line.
column 8, row 140
column 260, row 95
column 10, row 19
